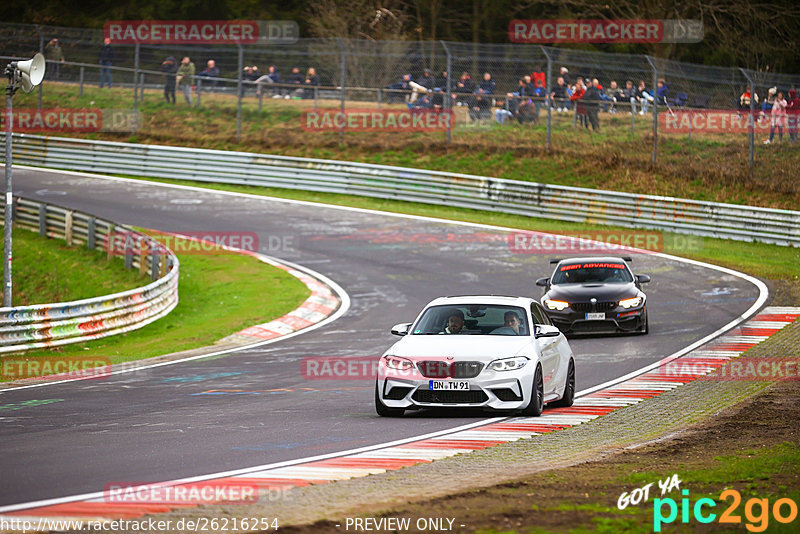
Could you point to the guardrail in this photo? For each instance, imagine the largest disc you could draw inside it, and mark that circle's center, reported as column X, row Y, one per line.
column 730, row 221
column 49, row 325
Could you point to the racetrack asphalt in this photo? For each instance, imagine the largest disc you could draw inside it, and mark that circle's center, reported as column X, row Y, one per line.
column 254, row 407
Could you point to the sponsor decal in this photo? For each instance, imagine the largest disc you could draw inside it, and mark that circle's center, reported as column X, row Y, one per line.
column 378, row 120
column 605, row 31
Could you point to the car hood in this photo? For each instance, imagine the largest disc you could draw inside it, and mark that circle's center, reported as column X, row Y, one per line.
column 585, row 292
column 461, row 347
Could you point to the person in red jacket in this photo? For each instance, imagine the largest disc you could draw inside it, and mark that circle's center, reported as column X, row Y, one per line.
column 793, row 110
column 580, row 108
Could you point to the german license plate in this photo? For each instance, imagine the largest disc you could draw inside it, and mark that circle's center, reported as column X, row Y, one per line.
column 442, row 385
column 598, row 316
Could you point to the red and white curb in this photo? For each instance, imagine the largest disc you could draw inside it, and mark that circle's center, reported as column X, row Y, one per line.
column 588, row 406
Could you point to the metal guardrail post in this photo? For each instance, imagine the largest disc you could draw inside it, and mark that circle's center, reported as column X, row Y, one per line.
column 43, row 220
column 239, row 94
column 751, row 134
column 68, row 228
column 135, row 79
column 655, row 108
column 547, row 101
column 90, row 230
column 448, row 98
column 41, row 51
column 128, row 257
column 154, row 266
column 342, row 84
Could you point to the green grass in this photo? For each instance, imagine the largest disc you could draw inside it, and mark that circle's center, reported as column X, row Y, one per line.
column 47, row 270
column 219, row 294
column 764, row 260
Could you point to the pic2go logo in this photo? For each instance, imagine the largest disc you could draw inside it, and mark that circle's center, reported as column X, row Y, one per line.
column 756, row 511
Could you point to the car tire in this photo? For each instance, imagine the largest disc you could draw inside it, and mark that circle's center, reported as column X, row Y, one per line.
column 646, row 329
column 382, row 409
column 569, row 389
column 536, row 405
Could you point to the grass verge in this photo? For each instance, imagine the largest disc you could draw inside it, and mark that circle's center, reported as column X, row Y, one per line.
column 219, row 295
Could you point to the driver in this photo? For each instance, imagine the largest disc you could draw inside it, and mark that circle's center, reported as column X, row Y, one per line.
column 455, row 323
column 511, row 324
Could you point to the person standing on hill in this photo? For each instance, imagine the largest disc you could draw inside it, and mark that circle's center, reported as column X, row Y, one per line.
column 793, row 111
column 185, row 77
column 55, row 57
column 106, row 60
column 169, row 67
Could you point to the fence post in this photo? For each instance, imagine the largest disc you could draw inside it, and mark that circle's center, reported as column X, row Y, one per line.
column 260, row 96
column 80, row 91
column 342, row 83
column 199, row 81
column 41, row 51
column 141, row 85
column 751, row 121
column 448, row 101
column 547, row 102
column 135, row 79
column 379, row 98
column 90, row 237
column 655, row 109
column 239, row 99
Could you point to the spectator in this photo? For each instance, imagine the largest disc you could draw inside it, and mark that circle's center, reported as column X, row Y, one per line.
column 580, row 107
column 503, row 113
column 55, row 57
column 272, row 76
column 515, row 99
column 185, row 77
column 250, row 73
column 558, row 96
column 211, row 71
column 464, row 87
column 766, row 105
column 487, row 85
column 443, row 81
column 793, row 112
column 539, row 75
column 395, row 89
column 539, row 95
column 613, row 94
column 169, row 67
column 591, row 99
column 565, row 74
column 643, row 96
column 106, row 60
column 312, row 80
column 427, row 80
column 629, row 94
column 423, row 103
column 744, row 100
column 778, row 118
column 662, row 92
column 480, row 108
column 295, row 78
column 437, row 99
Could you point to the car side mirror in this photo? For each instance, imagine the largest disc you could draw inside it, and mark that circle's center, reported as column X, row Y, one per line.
column 642, row 278
column 543, row 282
column 401, row 329
column 545, row 330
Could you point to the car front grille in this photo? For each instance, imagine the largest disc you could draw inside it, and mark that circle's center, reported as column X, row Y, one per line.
column 585, row 307
column 444, row 369
column 594, row 326
column 397, row 393
column 506, row 394
column 450, row 397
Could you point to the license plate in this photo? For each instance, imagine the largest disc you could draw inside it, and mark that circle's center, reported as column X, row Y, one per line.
column 440, row 385
column 599, row 316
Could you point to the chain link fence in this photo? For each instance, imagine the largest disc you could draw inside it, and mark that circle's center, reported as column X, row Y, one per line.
column 482, row 84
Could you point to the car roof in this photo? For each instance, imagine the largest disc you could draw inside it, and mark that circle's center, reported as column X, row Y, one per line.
column 592, row 259
column 482, row 299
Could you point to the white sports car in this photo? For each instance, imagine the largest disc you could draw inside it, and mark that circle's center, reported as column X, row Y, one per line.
column 494, row 352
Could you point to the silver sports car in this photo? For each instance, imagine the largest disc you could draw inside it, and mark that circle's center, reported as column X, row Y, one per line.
column 493, row 352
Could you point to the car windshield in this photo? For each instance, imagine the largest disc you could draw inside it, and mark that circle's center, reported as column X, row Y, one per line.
column 473, row 319
column 592, row 273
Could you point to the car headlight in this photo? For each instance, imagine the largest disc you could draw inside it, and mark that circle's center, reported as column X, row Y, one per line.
column 630, row 303
column 397, row 363
column 556, row 304
column 508, row 364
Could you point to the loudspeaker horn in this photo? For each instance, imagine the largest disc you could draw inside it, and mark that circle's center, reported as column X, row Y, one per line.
column 31, row 72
